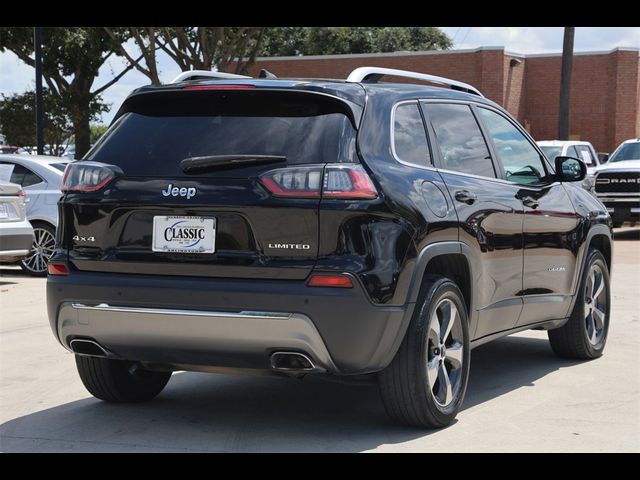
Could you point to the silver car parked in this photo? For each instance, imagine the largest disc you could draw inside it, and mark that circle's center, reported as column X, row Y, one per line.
column 16, row 234
column 40, row 177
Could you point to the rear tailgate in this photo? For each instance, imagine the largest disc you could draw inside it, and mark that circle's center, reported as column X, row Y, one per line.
column 153, row 203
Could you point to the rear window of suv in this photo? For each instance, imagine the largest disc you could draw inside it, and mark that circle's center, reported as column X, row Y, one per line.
column 155, row 137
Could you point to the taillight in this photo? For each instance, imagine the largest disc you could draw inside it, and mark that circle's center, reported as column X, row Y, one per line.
column 346, row 181
column 298, row 182
column 87, row 176
column 349, row 182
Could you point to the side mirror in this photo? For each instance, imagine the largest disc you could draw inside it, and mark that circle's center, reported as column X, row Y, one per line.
column 569, row 169
column 603, row 157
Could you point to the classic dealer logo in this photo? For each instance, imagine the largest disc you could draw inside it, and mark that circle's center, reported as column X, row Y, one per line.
column 184, row 233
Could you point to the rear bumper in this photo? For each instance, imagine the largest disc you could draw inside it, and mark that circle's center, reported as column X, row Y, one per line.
column 223, row 322
column 15, row 240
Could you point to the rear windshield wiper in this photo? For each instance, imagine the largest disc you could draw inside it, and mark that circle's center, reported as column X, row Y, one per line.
column 194, row 165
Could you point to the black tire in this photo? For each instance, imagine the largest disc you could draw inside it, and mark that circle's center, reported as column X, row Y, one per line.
column 119, row 380
column 35, row 263
column 406, row 392
column 572, row 340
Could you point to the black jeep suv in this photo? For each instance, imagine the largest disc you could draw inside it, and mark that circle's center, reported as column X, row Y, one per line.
column 345, row 228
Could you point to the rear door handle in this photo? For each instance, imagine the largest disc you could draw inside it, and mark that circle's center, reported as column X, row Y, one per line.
column 530, row 202
column 465, row 196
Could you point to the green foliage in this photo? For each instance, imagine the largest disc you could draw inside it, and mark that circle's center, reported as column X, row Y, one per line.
column 72, row 57
column 284, row 41
column 97, row 130
column 338, row 40
column 17, row 119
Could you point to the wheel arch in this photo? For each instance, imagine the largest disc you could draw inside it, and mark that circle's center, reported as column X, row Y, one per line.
column 600, row 238
column 603, row 243
column 42, row 221
column 449, row 259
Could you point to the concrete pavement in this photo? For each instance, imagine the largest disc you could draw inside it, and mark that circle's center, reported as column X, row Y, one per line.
column 520, row 398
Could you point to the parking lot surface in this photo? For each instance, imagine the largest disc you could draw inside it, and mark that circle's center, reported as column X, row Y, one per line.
column 520, row 397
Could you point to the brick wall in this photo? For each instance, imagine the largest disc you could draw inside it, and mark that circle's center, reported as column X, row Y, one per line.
column 605, row 87
column 604, row 97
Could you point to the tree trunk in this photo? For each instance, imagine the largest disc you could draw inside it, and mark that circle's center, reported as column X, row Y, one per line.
column 81, row 130
column 565, row 83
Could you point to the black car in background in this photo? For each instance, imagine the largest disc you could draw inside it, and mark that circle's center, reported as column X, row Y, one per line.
column 346, row 228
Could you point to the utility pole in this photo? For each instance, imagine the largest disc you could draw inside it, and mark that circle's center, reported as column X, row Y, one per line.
column 37, row 39
column 565, row 83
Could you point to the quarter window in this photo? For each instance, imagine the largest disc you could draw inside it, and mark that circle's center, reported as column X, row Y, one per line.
column 409, row 136
column 520, row 160
column 23, row 176
column 460, row 140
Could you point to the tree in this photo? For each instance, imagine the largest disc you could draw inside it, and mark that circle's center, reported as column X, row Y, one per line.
column 71, row 58
column 16, row 121
column 283, row 41
column 338, row 40
column 191, row 48
column 97, row 130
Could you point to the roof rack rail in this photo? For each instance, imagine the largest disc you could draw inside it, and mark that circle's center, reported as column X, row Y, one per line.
column 198, row 74
column 373, row 74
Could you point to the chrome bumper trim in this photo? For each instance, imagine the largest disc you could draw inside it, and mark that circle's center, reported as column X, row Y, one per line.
column 247, row 314
column 173, row 335
column 616, row 199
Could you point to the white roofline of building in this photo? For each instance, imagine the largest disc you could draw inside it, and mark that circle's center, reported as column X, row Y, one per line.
column 377, row 55
column 591, row 52
column 442, row 52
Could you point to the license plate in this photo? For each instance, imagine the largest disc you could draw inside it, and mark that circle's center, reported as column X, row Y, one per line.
column 3, row 211
column 184, row 234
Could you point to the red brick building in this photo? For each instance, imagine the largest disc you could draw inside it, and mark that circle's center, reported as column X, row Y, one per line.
column 605, row 87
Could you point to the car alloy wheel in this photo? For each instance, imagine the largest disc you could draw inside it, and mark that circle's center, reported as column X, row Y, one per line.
column 595, row 305
column 41, row 250
column 445, row 348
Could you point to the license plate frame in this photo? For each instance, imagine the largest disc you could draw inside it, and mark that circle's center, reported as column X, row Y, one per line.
column 184, row 234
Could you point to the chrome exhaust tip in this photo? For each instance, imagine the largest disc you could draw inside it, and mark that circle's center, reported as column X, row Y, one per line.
column 89, row 348
column 291, row 362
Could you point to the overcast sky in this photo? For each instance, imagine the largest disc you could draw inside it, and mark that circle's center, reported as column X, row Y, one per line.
column 15, row 76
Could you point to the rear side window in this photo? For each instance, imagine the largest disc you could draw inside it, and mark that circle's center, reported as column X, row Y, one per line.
column 585, row 155
column 23, row 176
column 460, row 140
column 409, row 136
column 154, row 139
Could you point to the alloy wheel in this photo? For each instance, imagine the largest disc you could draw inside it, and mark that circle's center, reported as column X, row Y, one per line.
column 445, row 353
column 595, row 306
column 41, row 251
